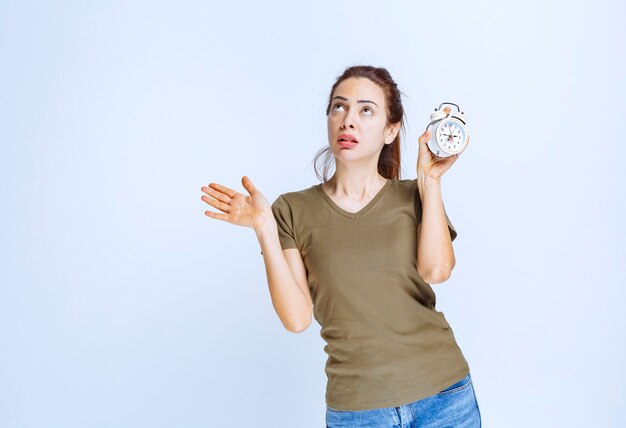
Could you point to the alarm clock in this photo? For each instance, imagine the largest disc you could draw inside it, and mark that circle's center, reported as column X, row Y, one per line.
column 448, row 132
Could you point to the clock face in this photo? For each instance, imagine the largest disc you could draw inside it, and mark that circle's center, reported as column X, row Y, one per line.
column 450, row 135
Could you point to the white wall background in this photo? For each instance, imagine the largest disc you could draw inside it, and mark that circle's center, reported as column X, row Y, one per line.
column 123, row 305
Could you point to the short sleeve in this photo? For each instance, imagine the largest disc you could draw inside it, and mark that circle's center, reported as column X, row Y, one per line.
column 284, row 220
column 418, row 215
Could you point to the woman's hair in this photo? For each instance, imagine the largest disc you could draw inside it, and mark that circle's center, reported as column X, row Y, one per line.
column 389, row 159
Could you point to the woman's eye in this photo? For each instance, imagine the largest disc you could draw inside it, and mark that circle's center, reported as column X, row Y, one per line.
column 364, row 108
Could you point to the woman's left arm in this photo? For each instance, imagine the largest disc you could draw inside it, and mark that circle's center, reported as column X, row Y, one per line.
column 435, row 255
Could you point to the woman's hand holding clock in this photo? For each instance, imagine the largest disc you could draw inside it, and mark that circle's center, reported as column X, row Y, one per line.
column 249, row 211
column 430, row 165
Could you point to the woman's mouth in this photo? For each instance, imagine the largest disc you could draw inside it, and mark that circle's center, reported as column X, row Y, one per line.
column 347, row 140
column 347, row 143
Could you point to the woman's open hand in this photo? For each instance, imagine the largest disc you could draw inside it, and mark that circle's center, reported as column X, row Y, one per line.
column 429, row 164
column 250, row 211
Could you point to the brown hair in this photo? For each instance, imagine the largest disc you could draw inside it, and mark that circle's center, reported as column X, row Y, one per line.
column 389, row 159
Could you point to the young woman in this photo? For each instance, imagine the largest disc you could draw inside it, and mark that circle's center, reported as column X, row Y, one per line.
column 359, row 252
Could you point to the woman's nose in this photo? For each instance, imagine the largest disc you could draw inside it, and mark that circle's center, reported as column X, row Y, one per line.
column 348, row 121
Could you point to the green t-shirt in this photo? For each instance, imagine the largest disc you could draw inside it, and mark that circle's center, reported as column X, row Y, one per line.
column 387, row 345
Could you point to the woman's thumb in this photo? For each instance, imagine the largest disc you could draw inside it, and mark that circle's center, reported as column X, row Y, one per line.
column 247, row 184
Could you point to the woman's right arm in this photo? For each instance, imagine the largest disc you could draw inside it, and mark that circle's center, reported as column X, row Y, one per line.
column 286, row 278
column 286, row 275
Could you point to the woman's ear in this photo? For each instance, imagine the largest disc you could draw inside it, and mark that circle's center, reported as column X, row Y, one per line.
column 392, row 131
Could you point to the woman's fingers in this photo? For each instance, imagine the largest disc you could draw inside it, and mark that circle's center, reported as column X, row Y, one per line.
column 424, row 137
column 217, row 195
column 222, row 206
column 227, row 190
column 220, row 201
column 217, row 216
column 216, row 204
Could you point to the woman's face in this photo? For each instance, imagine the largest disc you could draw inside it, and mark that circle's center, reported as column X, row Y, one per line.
column 358, row 109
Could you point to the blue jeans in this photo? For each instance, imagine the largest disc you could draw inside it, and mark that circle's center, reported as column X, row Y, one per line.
column 454, row 407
